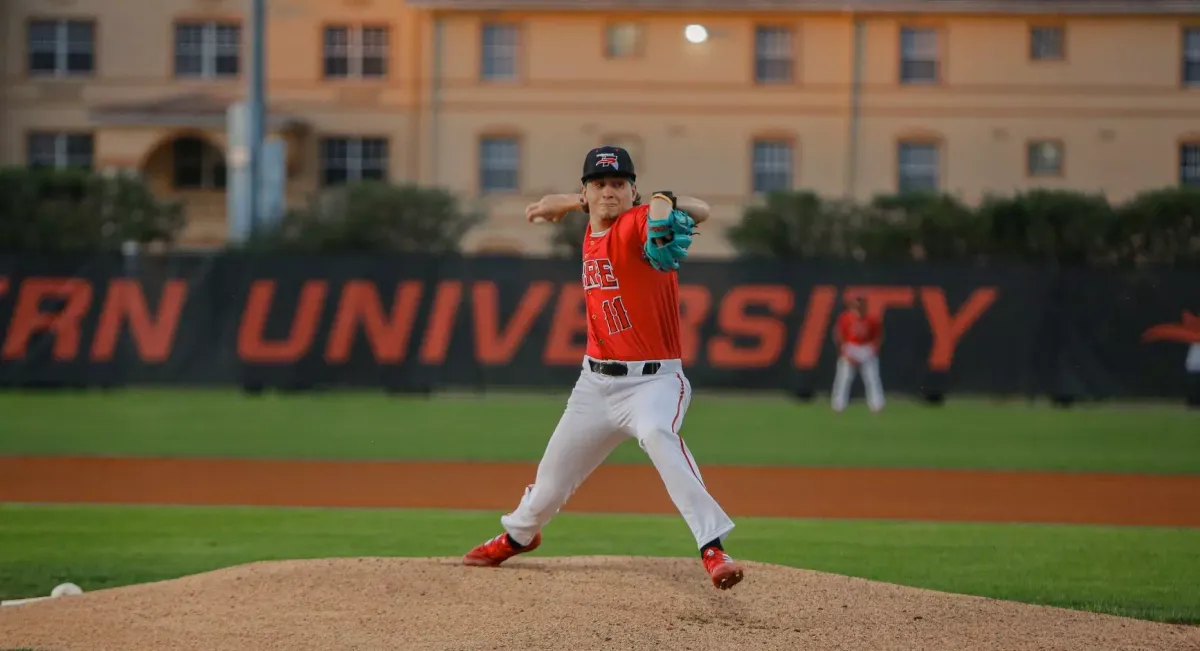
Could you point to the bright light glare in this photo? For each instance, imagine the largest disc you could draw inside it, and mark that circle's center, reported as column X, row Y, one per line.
column 695, row 33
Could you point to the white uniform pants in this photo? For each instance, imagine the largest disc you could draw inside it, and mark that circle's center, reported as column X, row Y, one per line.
column 601, row 413
column 855, row 358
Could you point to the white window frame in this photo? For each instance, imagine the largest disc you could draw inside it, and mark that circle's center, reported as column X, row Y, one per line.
column 1038, row 48
column 499, row 47
column 356, row 50
column 772, row 160
column 773, row 46
column 211, row 48
column 622, row 40
column 509, row 162
column 908, row 171
column 1189, row 164
column 920, row 45
column 211, row 161
column 62, row 47
column 356, row 160
column 1034, row 158
column 1191, row 57
column 62, row 155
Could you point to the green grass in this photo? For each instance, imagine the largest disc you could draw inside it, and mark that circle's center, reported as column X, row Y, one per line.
column 1150, row 573
column 719, row 429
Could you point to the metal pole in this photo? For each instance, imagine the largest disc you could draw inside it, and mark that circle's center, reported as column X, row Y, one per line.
column 855, row 109
column 435, row 98
column 256, row 127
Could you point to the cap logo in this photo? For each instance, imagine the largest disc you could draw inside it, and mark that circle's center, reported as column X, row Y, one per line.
column 605, row 159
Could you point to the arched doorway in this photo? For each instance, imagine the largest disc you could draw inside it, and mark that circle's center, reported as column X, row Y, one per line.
column 190, row 167
column 186, row 163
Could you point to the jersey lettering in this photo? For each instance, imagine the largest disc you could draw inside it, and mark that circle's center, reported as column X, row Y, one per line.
column 598, row 274
column 615, row 315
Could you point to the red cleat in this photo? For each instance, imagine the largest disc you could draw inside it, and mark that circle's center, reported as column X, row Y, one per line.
column 497, row 550
column 725, row 572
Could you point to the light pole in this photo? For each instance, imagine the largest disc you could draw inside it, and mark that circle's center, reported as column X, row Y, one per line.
column 256, row 104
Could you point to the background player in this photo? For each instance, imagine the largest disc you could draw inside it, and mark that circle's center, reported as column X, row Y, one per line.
column 632, row 382
column 858, row 336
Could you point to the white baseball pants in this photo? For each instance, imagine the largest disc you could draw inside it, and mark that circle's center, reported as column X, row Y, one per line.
column 603, row 411
column 854, row 358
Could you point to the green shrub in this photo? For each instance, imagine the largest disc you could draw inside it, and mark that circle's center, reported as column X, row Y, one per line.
column 1049, row 226
column 919, row 226
column 795, row 225
column 374, row 216
column 49, row 210
column 1158, row 227
column 1038, row 226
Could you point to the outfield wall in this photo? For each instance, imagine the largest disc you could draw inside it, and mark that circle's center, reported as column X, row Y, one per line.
column 415, row 322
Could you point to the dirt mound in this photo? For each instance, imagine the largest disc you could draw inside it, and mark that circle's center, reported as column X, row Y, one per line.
column 380, row 604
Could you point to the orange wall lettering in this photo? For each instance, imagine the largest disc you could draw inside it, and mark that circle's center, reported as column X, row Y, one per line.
column 948, row 328
column 567, row 324
column 440, row 329
column 496, row 345
column 252, row 347
column 29, row 319
column 880, row 298
column 695, row 302
column 388, row 336
column 816, row 325
column 733, row 320
column 153, row 335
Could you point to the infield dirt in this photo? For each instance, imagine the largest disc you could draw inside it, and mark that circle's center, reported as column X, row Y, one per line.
column 946, row 495
column 535, row 604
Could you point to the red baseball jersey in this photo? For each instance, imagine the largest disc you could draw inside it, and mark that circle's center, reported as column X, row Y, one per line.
column 858, row 330
column 632, row 308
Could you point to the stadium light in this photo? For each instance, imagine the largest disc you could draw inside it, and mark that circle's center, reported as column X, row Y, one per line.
column 695, row 33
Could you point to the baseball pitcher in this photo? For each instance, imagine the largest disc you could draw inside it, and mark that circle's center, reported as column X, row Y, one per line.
column 632, row 382
column 858, row 336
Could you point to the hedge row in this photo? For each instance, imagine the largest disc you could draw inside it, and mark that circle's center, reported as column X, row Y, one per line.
column 47, row 210
column 69, row 210
column 1040, row 226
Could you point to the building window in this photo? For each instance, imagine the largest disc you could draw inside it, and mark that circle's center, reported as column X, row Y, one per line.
column 920, row 61
column 773, row 171
column 356, row 52
column 499, row 51
column 60, row 150
column 919, row 167
column 773, row 55
column 62, row 47
column 196, row 165
column 1191, row 56
column 207, row 49
column 1044, row 158
column 623, row 40
column 1047, row 43
column 345, row 160
column 1189, row 164
column 499, row 164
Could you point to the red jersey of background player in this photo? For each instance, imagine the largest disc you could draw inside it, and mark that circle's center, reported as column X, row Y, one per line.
column 855, row 329
column 632, row 308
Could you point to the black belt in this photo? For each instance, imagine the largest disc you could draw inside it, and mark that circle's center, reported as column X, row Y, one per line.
column 618, row 369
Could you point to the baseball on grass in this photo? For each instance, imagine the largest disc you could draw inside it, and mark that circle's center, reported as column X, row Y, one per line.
column 65, row 589
column 539, row 220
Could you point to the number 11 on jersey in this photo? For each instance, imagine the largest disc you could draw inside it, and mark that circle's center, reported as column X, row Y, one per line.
column 616, row 316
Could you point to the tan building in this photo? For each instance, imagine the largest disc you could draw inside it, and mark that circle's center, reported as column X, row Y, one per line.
column 849, row 98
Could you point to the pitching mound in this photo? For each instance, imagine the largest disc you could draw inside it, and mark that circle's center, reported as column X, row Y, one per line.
column 379, row 604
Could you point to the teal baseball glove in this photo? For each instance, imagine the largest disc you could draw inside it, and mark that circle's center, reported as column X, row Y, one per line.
column 667, row 240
